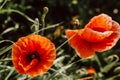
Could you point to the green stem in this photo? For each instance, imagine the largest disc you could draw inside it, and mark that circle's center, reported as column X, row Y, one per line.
column 3, row 4
column 60, row 71
column 36, row 26
column 45, row 11
column 43, row 23
column 72, row 58
column 7, row 59
column 6, row 41
column 49, row 27
column 65, row 42
column 16, row 11
column 98, row 61
column 10, row 73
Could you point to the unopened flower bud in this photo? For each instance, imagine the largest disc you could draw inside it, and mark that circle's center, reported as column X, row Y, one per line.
column 45, row 10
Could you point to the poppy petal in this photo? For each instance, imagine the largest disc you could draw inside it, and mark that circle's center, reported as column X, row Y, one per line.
column 100, row 34
column 32, row 64
column 115, row 27
column 106, row 44
column 100, row 23
column 94, row 36
column 91, row 70
column 82, row 48
column 15, row 58
column 42, row 67
column 33, row 55
column 110, row 41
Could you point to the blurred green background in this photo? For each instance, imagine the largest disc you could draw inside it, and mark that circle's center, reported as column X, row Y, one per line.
column 15, row 23
column 59, row 11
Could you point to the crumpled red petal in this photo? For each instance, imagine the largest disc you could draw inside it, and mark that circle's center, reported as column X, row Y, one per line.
column 82, row 47
column 110, row 41
column 24, row 55
column 100, row 34
column 100, row 23
column 94, row 36
column 15, row 58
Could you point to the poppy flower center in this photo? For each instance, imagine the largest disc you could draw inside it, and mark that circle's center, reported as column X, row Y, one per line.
column 32, row 55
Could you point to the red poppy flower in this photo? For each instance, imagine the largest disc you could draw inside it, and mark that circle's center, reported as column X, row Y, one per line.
column 100, row 34
column 33, row 55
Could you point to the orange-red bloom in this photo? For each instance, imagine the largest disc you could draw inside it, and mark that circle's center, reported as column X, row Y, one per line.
column 100, row 34
column 33, row 55
column 91, row 70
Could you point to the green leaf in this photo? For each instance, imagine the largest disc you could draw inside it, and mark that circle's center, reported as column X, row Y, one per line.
column 117, row 69
column 114, row 77
column 5, row 49
column 108, row 67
